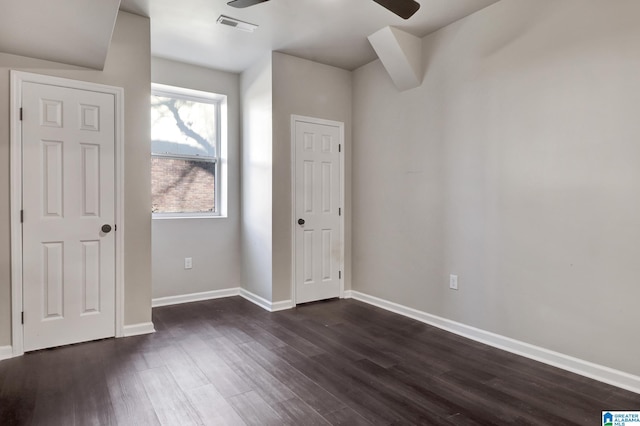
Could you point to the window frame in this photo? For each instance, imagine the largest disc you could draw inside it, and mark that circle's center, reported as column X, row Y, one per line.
column 220, row 101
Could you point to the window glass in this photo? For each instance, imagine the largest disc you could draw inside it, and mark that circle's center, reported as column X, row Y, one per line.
column 181, row 126
column 184, row 146
column 182, row 185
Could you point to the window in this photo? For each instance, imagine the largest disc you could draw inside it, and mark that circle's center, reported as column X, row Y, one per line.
column 187, row 132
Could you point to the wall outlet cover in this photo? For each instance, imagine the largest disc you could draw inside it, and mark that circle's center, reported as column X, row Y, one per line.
column 453, row 282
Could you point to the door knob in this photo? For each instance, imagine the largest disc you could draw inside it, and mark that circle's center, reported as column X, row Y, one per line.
column 300, row 221
column 106, row 228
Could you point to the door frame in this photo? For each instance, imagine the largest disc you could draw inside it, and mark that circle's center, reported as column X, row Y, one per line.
column 301, row 118
column 15, row 166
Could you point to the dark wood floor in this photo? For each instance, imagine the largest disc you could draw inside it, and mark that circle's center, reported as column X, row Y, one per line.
column 343, row 362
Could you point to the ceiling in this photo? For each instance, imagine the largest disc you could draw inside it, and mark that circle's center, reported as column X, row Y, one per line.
column 51, row 30
column 332, row 32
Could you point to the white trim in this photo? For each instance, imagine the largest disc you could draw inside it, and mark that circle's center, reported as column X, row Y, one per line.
column 189, row 216
column 340, row 125
column 6, row 352
column 120, row 161
column 15, row 167
column 283, row 305
column 255, row 299
column 575, row 365
column 138, row 329
column 218, row 294
column 264, row 303
column 194, row 297
column 201, row 96
column 222, row 142
column 17, row 80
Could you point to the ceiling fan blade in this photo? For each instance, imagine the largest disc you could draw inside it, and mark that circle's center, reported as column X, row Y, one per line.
column 244, row 3
column 403, row 8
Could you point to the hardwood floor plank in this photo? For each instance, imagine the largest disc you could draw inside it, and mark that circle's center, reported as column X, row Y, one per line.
column 295, row 412
column 553, row 401
column 339, row 362
column 54, row 407
column 254, row 410
column 213, row 409
column 299, row 343
column 137, row 360
column 129, row 398
column 403, row 350
column 417, row 391
column 344, row 388
column 620, row 400
column 320, row 338
column 347, row 417
column 374, row 390
column 53, row 410
column 234, row 333
column 185, row 372
column 130, row 402
column 169, row 402
column 306, row 389
column 268, row 387
column 261, row 335
column 92, row 402
column 352, row 343
column 527, row 409
column 219, row 373
column 18, row 391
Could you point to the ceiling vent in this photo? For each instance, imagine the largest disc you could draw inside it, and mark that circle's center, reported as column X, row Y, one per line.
column 236, row 23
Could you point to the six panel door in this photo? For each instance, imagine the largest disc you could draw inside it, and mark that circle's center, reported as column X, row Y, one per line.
column 68, row 195
column 319, row 245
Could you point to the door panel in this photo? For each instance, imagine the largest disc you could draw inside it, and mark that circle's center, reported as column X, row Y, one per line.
column 319, row 245
column 68, row 194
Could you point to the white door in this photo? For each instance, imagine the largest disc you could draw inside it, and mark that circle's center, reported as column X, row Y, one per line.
column 318, row 221
column 68, row 195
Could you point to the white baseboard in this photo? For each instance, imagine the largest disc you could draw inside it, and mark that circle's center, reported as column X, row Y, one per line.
column 195, row 297
column 282, row 305
column 6, row 352
column 575, row 365
column 138, row 329
column 217, row 294
column 264, row 303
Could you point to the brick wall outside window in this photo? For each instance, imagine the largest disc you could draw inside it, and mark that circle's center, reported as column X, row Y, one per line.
column 182, row 185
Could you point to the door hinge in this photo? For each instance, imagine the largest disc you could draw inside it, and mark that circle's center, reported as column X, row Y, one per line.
column 339, row 211
column 21, row 216
column 115, row 228
column 22, row 317
column 339, row 275
column 339, row 145
column 20, row 113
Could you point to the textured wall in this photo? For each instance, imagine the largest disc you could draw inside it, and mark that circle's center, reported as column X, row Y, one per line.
column 516, row 166
column 213, row 242
column 127, row 66
column 256, row 88
column 307, row 88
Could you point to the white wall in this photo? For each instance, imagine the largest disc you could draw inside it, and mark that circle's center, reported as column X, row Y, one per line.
column 213, row 243
column 256, row 89
column 272, row 91
column 311, row 89
column 516, row 165
column 127, row 66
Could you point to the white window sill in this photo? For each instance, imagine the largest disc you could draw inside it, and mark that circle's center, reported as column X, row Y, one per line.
column 186, row 216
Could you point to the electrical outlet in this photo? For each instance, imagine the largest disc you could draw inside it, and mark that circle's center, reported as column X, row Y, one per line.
column 453, row 282
column 188, row 263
